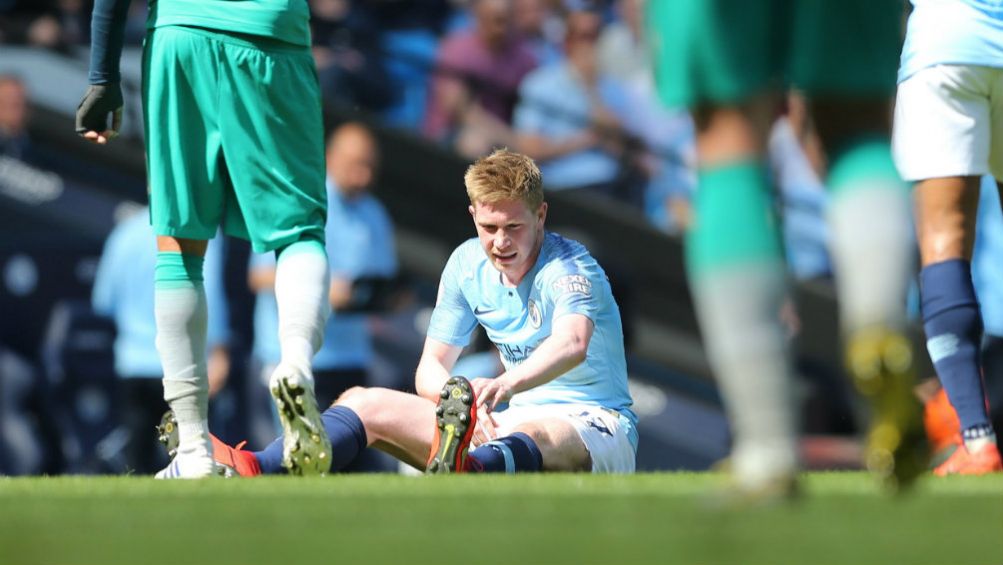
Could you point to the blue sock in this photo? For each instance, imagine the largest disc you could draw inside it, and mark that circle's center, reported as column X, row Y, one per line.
column 511, row 454
column 953, row 328
column 344, row 429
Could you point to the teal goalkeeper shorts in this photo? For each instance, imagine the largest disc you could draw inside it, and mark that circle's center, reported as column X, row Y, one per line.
column 234, row 137
column 725, row 51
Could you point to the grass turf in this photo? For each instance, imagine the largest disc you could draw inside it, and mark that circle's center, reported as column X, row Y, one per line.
column 554, row 519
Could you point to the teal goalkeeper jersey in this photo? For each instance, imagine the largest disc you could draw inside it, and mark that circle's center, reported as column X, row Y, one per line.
column 564, row 280
column 284, row 20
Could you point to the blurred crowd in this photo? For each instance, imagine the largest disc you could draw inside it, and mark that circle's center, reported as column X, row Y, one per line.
column 565, row 81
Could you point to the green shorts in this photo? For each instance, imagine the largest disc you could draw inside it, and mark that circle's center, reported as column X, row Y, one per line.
column 234, row 137
column 724, row 51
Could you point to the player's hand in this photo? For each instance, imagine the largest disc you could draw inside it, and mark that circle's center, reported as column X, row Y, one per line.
column 485, row 430
column 92, row 113
column 491, row 392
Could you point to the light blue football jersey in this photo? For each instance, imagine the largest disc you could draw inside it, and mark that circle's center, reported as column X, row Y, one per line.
column 952, row 32
column 564, row 280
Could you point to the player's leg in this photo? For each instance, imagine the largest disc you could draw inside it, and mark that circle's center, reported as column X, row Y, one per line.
column 179, row 308
column 850, row 84
column 723, row 54
column 185, row 208
column 944, row 139
column 945, row 224
column 550, row 444
column 961, row 104
column 872, row 254
column 738, row 282
column 398, row 423
column 557, row 437
column 273, row 146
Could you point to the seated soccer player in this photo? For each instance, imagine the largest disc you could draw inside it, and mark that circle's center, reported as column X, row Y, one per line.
column 546, row 304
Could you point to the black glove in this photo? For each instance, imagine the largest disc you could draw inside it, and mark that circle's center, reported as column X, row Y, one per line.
column 99, row 101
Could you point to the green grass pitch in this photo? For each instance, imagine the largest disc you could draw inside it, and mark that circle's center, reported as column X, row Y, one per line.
column 660, row 518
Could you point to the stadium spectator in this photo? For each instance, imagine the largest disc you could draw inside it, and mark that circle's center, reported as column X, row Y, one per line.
column 947, row 136
column 537, row 23
column 478, row 72
column 547, row 305
column 361, row 254
column 123, row 291
column 402, row 15
column 14, row 114
column 796, row 166
column 623, row 52
column 987, row 275
column 346, row 47
column 570, row 118
column 49, row 24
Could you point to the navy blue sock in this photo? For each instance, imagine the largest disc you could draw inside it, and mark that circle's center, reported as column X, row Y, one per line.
column 511, row 454
column 953, row 328
column 344, row 429
column 270, row 458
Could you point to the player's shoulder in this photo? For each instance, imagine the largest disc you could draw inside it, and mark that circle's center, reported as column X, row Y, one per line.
column 564, row 256
column 467, row 256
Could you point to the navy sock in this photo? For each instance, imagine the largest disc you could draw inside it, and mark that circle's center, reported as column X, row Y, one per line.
column 953, row 328
column 270, row 458
column 344, row 429
column 511, row 454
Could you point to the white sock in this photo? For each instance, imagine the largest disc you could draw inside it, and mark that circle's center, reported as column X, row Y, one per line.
column 739, row 313
column 302, row 286
column 872, row 254
column 181, row 316
column 977, row 444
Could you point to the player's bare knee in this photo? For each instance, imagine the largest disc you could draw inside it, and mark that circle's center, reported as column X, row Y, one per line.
column 349, row 394
column 365, row 402
column 562, row 449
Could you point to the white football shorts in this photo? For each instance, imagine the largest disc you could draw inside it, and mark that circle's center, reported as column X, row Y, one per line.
column 949, row 122
column 604, row 432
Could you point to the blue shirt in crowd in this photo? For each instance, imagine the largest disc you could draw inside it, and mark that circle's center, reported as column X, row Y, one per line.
column 554, row 104
column 987, row 268
column 123, row 291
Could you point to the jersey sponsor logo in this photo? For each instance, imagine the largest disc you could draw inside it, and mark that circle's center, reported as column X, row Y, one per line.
column 578, row 284
column 535, row 318
column 514, row 354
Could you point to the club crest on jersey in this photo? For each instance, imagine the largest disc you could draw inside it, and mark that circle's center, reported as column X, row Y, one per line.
column 573, row 283
column 535, row 318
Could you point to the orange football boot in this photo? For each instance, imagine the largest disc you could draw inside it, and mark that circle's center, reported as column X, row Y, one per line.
column 963, row 462
column 455, row 420
column 243, row 462
column 941, row 422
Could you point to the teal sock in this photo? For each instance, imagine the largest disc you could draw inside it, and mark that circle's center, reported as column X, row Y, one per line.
column 735, row 222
